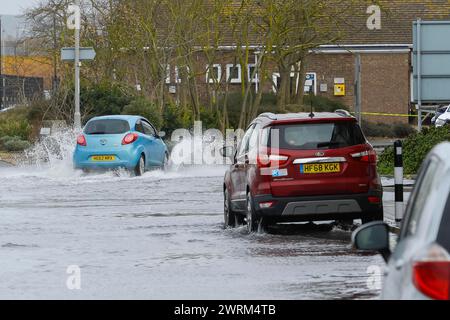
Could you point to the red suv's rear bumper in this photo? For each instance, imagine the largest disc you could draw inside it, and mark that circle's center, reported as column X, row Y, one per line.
column 320, row 208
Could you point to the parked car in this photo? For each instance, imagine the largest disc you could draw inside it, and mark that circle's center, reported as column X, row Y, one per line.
column 440, row 111
column 419, row 267
column 112, row 142
column 300, row 168
column 444, row 118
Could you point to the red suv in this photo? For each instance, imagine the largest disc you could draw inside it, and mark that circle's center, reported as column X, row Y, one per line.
column 300, row 168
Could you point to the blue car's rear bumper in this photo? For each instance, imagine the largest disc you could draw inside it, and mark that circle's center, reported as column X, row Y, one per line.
column 125, row 157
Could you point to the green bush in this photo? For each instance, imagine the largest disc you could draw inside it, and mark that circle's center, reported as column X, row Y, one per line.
column 104, row 99
column 269, row 104
column 5, row 139
column 322, row 104
column 143, row 107
column 20, row 128
column 209, row 118
column 176, row 117
column 396, row 130
column 415, row 149
column 403, row 130
column 15, row 143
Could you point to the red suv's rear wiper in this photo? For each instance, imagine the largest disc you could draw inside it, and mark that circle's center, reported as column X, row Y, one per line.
column 328, row 144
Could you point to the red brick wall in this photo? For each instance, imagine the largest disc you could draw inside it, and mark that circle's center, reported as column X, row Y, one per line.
column 384, row 76
column 386, row 85
column 384, row 81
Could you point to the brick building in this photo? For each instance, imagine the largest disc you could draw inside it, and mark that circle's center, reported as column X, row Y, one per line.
column 384, row 43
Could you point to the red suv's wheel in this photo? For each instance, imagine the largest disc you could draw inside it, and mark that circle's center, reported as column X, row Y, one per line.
column 252, row 218
column 228, row 214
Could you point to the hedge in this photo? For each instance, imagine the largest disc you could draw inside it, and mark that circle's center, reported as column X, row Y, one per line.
column 415, row 149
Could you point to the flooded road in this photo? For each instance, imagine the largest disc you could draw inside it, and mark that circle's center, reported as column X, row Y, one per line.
column 159, row 236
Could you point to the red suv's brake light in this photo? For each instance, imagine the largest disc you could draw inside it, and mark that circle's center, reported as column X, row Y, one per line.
column 130, row 138
column 369, row 156
column 431, row 276
column 81, row 140
column 271, row 161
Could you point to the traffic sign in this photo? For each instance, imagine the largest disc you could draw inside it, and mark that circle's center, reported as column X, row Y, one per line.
column 86, row 54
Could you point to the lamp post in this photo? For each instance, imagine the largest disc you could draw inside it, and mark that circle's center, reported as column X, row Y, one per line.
column 74, row 22
column 77, row 117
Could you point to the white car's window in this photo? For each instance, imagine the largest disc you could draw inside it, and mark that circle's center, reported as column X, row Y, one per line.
column 444, row 236
column 427, row 181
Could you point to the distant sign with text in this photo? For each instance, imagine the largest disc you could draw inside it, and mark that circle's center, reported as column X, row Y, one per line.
column 431, row 61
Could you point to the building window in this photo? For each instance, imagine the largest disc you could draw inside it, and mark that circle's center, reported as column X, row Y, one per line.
column 213, row 73
column 309, row 84
column 168, row 74
column 177, row 73
column 252, row 76
column 234, row 73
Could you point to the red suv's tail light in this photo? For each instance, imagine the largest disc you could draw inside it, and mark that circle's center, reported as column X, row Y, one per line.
column 431, row 275
column 369, row 156
column 81, row 140
column 374, row 200
column 271, row 161
column 130, row 138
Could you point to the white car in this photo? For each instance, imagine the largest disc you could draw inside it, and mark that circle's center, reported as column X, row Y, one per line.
column 419, row 266
column 443, row 119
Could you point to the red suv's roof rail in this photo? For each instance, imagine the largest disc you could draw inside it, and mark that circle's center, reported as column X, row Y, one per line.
column 339, row 115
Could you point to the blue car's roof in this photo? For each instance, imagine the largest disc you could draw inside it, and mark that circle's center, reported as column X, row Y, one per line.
column 131, row 119
column 118, row 117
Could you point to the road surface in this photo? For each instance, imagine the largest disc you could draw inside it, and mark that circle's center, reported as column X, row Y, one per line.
column 159, row 236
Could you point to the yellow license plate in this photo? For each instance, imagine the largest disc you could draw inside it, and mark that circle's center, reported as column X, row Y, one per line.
column 320, row 168
column 103, row 158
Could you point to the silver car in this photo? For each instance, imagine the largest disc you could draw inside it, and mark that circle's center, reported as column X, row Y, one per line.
column 419, row 266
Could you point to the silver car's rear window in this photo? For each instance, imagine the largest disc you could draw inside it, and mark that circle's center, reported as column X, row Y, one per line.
column 107, row 126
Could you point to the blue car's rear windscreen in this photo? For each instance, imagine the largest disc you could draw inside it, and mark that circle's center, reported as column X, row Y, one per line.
column 107, row 126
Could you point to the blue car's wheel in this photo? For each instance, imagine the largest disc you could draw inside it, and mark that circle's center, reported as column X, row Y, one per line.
column 140, row 167
column 165, row 165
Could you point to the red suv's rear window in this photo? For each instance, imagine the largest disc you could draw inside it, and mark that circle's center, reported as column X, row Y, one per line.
column 313, row 136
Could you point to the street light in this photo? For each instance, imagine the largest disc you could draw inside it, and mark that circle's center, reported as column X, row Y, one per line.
column 74, row 22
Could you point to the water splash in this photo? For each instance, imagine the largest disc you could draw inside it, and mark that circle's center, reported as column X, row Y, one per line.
column 52, row 157
column 53, row 152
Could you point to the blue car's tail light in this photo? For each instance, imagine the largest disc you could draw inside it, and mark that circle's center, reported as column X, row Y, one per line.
column 130, row 138
column 81, row 140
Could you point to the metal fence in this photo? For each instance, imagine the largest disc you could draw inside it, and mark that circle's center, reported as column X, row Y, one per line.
column 19, row 90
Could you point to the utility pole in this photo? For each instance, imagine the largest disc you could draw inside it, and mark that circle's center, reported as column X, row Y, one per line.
column 358, row 110
column 55, row 71
column 77, row 118
column 419, row 72
column 74, row 23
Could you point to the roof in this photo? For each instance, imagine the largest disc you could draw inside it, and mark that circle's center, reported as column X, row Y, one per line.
column 397, row 19
column 118, row 117
column 303, row 117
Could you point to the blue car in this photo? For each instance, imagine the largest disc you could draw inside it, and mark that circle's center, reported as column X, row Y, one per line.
column 112, row 142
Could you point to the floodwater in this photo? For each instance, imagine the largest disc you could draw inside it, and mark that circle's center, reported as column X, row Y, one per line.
column 159, row 236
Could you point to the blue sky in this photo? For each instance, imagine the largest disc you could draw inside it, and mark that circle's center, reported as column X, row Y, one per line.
column 15, row 7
